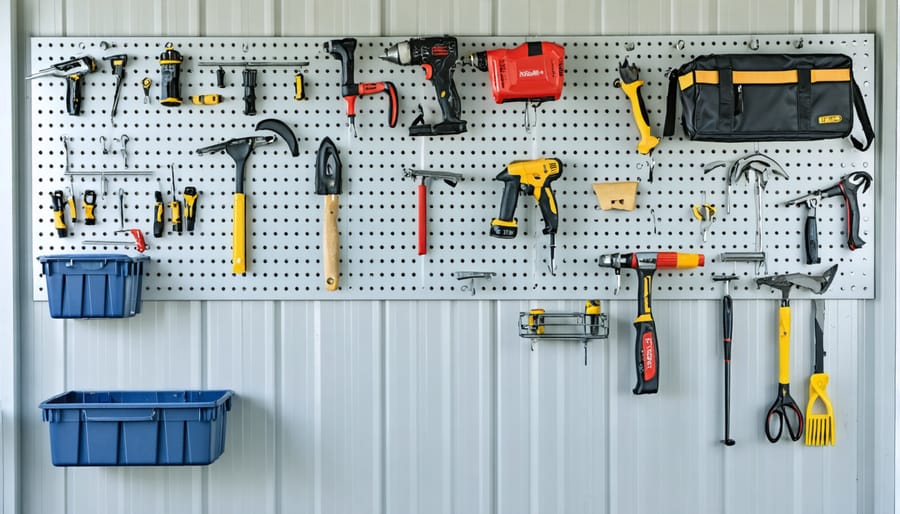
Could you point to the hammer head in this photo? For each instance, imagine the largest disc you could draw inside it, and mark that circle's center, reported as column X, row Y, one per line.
column 451, row 179
column 817, row 284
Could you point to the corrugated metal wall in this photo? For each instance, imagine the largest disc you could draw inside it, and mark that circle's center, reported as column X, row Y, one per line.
column 431, row 407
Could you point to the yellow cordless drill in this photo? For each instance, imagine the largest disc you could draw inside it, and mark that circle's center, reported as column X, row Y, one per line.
column 530, row 177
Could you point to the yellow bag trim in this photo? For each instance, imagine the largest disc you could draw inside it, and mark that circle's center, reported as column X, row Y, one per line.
column 763, row 77
column 833, row 75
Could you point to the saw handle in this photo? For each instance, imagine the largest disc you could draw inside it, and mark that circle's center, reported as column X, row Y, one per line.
column 422, row 197
column 851, row 204
column 811, row 238
column 727, row 325
column 646, row 348
column 648, row 141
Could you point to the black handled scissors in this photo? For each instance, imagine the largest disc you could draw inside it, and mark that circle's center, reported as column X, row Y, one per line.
column 783, row 410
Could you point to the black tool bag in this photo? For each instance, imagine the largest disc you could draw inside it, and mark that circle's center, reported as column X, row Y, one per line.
column 768, row 97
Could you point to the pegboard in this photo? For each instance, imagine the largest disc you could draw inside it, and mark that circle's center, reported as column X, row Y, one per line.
column 590, row 129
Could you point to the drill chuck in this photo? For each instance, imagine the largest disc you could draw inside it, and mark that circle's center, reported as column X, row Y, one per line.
column 399, row 53
column 478, row 60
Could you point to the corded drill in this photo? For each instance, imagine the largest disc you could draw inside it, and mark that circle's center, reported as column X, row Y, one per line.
column 438, row 56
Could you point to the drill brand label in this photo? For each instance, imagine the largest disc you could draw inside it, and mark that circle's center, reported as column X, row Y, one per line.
column 648, row 357
column 440, row 51
column 530, row 73
column 830, row 118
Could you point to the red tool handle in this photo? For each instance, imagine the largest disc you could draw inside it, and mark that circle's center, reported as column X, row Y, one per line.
column 422, row 196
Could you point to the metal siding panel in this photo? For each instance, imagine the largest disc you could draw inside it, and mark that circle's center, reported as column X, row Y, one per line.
column 349, row 334
column 242, row 344
column 239, row 17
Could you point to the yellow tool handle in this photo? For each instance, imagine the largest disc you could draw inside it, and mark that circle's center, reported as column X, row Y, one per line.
column 73, row 212
column 237, row 253
column 648, row 141
column 784, row 345
column 89, row 212
column 299, row 94
column 58, row 222
column 210, row 99
column 331, row 242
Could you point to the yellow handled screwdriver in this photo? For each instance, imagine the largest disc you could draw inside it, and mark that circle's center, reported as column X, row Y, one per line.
column 175, row 204
column 59, row 221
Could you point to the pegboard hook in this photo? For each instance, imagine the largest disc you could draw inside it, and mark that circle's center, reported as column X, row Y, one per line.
column 753, row 44
column 471, row 276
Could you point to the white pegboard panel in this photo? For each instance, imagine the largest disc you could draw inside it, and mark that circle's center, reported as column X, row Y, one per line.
column 590, row 129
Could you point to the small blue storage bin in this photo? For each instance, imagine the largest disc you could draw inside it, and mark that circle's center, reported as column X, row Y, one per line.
column 137, row 428
column 93, row 285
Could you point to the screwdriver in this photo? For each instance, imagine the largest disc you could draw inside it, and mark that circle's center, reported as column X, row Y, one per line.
column 90, row 201
column 175, row 204
column 58, row 221
column 158, row 221
column 190, row 203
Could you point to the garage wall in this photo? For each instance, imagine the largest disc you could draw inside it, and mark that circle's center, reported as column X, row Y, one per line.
column 439, row 406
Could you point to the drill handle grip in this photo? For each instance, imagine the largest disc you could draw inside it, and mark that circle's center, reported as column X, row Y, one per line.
column 448, row 97
column 73, row 94
column 511, row 184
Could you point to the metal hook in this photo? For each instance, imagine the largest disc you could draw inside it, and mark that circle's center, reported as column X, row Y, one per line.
column 245, row 47
column 124, row 141
column 680, row 44
column 471, row 276
column 103, row 145
column 753, row 44
column 629, row 46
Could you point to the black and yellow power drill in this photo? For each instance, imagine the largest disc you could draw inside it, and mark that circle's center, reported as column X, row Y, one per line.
column 438, row 55
column 530, row 177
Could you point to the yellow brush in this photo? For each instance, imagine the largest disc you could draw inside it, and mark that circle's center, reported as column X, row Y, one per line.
column 819, row 427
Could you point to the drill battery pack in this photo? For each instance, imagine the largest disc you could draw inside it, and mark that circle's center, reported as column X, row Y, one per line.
column 532, row 71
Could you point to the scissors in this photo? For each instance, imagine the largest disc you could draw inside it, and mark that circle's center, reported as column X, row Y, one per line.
column 783, row 410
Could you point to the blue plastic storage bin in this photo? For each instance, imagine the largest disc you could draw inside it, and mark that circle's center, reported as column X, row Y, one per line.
column 93, row 285
column 137, row 428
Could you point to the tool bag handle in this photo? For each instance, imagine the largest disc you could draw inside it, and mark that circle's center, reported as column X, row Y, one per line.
column 858, row 103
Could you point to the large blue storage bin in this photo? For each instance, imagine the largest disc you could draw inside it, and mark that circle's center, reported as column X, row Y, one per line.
column 137, row 428
column 93, row 285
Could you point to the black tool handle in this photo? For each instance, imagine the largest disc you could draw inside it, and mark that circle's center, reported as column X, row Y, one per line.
column 343, row 50
column 508, row 203
column 727, row 325
column 547, row 203
column 811, row 238
column 249, row 92
column 851, row 204
column 646, row 347
column 73, row 94
column 448, row 97
column 158, row 215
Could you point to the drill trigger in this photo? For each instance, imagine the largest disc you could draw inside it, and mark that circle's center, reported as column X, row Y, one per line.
column 429, row 70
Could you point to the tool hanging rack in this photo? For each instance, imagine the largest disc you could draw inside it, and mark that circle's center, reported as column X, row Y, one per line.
column 590, row 129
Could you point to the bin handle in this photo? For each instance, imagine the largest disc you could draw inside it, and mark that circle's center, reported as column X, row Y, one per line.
column 88, row 266
column 151, row 417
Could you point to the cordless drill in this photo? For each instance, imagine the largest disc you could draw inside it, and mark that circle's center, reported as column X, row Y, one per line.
column 170, row 76
column 343, row 49
column 73, row 71
column 530, row 177
column 645, row 264
column 438, row 56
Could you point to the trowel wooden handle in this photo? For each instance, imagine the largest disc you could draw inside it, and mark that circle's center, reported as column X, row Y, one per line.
column 331, row 243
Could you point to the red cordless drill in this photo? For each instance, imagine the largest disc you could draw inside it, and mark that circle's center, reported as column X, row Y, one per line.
column 438, row 56
column 645, row 346
column 344, row 49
